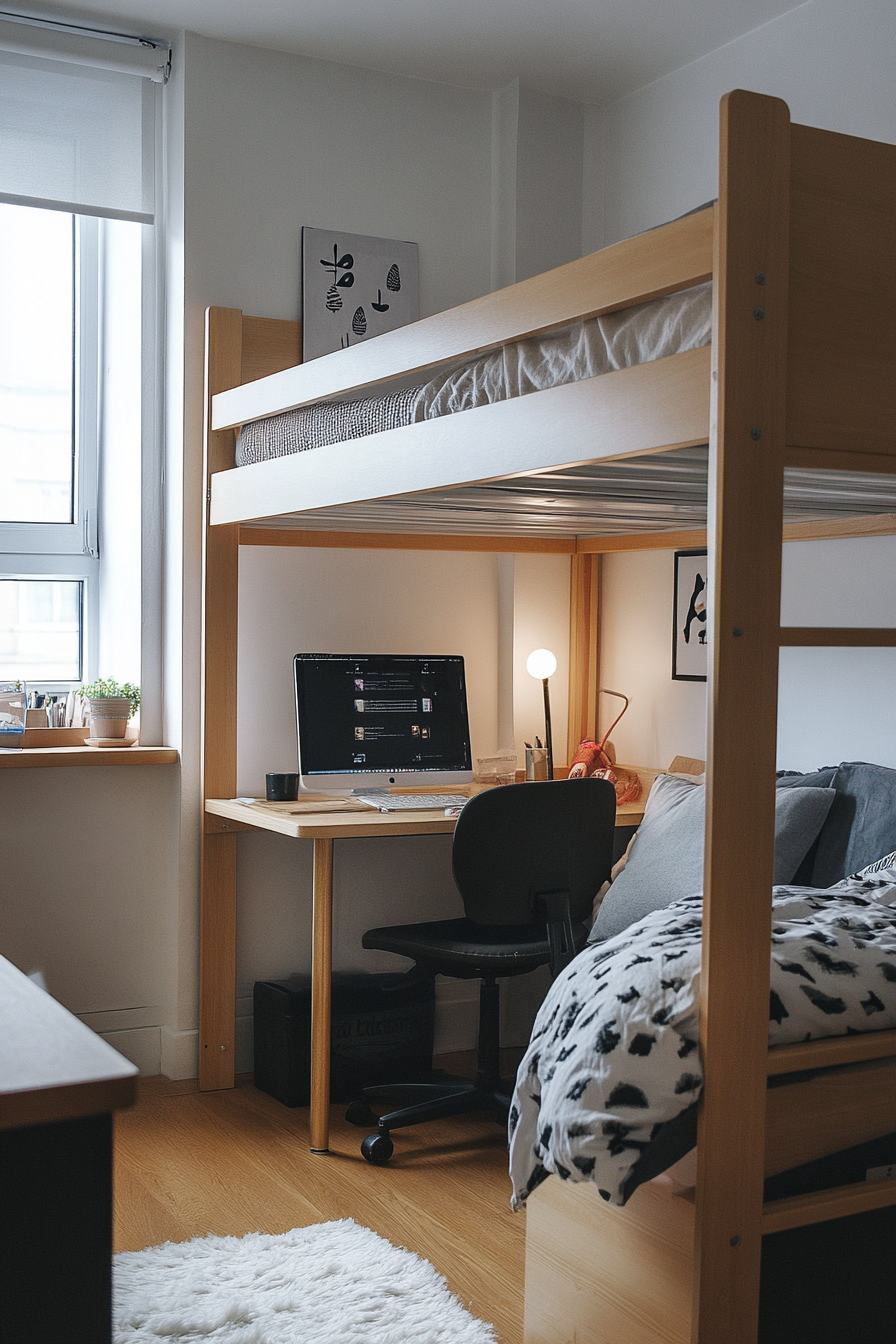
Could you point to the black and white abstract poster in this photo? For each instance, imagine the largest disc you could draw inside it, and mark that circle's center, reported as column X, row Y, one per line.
column 690, row 629
column 354, row 287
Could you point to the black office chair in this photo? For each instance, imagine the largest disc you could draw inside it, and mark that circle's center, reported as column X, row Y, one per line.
column 527, row 860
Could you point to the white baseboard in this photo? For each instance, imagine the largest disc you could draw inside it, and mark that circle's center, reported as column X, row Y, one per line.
column 180, row 1053
column 133, row 1032
column 141, row 1045
column 456, row 1026
column 244, row 1043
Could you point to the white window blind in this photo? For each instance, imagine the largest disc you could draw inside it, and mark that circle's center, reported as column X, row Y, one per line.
column 77, row 131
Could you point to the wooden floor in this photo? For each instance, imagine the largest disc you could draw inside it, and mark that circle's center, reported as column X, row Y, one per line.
column 189, row 1163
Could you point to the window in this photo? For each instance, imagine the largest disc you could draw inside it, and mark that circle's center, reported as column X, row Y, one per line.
column 48, row 442
column 76, row 210
column 70, row 440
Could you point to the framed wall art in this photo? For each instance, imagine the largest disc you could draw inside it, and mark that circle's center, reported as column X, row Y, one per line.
column 354, row 287
column 690, row 626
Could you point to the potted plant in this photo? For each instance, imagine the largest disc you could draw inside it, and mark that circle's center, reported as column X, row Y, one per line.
column 111, row 704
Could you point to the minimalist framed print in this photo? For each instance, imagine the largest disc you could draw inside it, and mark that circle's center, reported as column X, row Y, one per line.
column 690, row 625
column 354, row 287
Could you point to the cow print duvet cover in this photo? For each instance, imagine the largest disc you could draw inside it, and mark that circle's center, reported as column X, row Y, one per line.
column 614, row 1053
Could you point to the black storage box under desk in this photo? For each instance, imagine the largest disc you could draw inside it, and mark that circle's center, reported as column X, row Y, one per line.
column 382, row 1032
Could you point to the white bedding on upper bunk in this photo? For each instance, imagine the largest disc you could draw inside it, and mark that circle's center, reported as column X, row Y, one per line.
column 614, row 1050
column 648, row 331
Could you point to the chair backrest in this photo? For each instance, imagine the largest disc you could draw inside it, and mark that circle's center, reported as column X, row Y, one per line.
column 516, row 843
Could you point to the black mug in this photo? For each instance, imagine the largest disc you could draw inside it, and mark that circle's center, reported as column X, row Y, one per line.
column 281, row 788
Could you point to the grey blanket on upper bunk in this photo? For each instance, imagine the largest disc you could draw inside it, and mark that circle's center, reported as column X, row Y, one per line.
column 649, row 331
column 614, row 1052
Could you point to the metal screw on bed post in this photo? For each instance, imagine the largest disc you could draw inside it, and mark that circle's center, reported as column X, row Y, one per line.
column 735, row 1240
column 755, row 433
column 759, row 314
column 760, row 277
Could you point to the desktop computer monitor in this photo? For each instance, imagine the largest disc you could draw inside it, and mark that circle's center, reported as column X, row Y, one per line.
column 368, row 721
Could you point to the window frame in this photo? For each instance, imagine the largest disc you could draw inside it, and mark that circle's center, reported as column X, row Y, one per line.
column 70, row 551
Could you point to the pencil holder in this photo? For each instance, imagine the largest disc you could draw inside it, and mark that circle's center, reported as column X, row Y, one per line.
column 536, row 763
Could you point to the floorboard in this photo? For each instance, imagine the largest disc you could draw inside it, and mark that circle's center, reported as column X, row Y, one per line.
column 190, row 1163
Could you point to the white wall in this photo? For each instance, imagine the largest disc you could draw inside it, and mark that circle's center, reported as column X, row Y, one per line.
column 666, row 718
column 89, row 869
column 334, row 601
column 537, row 154
column 657, row 150
column 834, row 704
column 649, row 157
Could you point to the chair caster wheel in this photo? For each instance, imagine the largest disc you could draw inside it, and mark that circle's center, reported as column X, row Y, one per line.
column 359, row 1113
column 377, row 1148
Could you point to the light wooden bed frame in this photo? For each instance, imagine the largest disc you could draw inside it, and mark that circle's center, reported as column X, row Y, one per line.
column 804, row 229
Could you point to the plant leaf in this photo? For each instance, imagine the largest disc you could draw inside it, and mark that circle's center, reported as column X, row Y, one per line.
column 347, row 280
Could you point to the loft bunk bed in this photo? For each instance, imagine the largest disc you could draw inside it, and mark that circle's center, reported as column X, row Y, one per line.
column 798, row 384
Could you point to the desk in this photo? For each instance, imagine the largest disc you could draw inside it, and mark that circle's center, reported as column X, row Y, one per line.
column 224, row 815
column 59, row 1083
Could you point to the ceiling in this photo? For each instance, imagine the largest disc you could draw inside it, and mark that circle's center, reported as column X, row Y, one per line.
column 590, row 50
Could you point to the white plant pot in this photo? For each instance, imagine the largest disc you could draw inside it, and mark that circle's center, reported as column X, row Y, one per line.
column 109, row 717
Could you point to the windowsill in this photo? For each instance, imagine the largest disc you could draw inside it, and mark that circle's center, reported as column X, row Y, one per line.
column 29, row 757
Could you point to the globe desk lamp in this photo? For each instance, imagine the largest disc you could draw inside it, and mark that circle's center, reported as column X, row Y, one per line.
column 541, row 664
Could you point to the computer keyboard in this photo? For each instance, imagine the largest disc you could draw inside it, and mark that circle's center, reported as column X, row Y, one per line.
column 412, row 802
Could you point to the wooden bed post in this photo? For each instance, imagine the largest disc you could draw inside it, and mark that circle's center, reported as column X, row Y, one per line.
column 746, row 505
column 220, row 577
column 238, row 350
column 584, row 649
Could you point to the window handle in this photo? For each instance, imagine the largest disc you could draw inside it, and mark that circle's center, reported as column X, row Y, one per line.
column 89, row 545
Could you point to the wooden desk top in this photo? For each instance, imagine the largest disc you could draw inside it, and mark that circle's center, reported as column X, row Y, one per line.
column 294, row 820
column 52, row 1066
column 300, row 821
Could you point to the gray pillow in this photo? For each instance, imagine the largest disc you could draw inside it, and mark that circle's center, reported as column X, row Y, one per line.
column 862, row 824
column 666, row 861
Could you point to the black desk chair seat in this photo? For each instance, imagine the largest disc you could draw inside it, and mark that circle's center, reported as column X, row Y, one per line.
column 527, row 861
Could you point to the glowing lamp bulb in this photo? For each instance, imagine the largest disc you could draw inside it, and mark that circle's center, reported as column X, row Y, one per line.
column 541, row 664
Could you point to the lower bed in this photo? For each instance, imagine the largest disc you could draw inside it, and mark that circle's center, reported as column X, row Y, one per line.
column 613, row 1069
column 613, row 1061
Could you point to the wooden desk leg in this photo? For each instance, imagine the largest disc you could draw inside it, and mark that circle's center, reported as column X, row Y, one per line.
column 217, row 961
column 321, row 968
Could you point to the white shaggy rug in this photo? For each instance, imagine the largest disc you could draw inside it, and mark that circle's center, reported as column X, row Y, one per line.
column 331, row 1283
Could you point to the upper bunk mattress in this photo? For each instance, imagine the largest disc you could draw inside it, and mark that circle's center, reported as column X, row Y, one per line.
column 649, row 331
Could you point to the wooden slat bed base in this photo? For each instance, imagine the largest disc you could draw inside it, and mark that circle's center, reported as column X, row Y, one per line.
column 669, row 258
column 643, row 409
